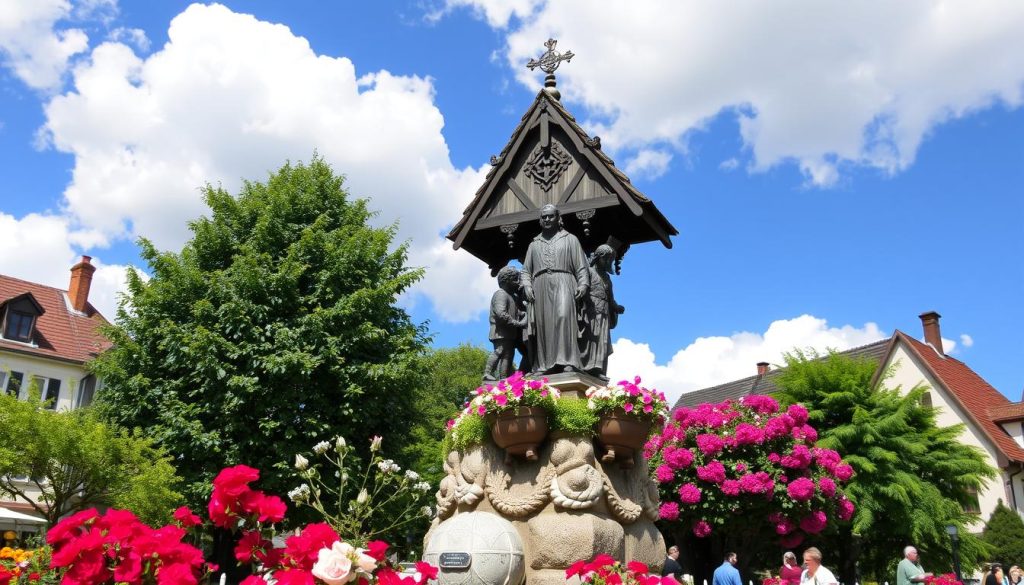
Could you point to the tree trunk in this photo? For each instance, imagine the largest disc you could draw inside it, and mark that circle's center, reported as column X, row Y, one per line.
column 223, row 555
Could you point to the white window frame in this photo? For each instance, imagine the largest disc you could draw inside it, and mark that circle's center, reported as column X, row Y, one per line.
column 44, row 388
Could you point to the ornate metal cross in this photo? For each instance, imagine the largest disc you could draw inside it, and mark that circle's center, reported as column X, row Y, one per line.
column 551, row 59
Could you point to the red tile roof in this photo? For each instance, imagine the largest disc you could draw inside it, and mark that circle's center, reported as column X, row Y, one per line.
column 60, row 333
column 1007, row 412
column 976, row 396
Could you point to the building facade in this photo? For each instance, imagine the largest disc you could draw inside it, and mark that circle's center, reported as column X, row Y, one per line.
column 46, row 337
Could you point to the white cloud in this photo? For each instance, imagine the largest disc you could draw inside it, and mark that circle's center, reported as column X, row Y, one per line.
column 32, row 47
column 826, row 85
column 497, row 13
column 649, row 163
column 231, row 97
column 966, row 340
column 37, row 248
column 133, row 36
column 708, row 361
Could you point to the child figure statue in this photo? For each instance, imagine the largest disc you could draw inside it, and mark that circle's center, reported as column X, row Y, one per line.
column 507, row 322
column 600, row 314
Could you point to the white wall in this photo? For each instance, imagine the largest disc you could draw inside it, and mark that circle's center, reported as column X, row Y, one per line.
column 69, row 374
column 908, row 373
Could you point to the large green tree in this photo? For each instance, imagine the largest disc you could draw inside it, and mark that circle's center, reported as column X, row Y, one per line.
column 274, row 328
column 450, row 375
column 63, row 462
column 912, row 477
column 1004, row 532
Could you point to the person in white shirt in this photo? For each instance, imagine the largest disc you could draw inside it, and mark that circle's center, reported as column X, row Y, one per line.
column 815, row 574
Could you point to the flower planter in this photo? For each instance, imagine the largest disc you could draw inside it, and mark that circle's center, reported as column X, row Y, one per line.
column 521, row 431
column 621, row 435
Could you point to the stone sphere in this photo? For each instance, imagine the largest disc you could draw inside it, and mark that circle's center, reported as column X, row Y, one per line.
column 494, row 547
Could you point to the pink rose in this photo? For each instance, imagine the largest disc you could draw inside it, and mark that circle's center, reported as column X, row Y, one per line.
column 669, row 511
column 689, row 493
column 701, row 529
column 334, row 565
column 664, row 474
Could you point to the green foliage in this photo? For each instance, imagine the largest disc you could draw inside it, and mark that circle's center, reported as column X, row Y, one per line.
column 572, row 417
column 275, row 327
column 473, row 430
column 1004, row 533
column 449, row 375
column 76, row 461
column 912, row 477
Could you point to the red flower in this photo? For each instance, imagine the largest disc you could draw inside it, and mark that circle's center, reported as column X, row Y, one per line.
column 427, row 571
column 176, row 574
column 251, row 546
column 253, row 580
column 636, row 567
column 186, row 518
column 234, row 481
column 577, row 568
column 303, row 549
column 265, row 508
column 64, row 529
column 377, row 549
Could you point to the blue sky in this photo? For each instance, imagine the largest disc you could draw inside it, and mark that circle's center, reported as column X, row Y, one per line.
column 833, row 170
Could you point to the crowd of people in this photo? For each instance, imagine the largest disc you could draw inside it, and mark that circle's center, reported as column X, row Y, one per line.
column 908, row 572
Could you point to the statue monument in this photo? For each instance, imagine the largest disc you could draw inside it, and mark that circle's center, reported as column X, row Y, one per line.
column 556, row 203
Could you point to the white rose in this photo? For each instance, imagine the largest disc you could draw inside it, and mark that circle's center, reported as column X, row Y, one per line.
column 334, row 565
column 301, row 463
column 367, row 564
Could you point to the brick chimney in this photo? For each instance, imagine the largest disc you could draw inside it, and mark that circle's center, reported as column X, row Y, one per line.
column 932, row 335
column 81, row 280
column 762, row 369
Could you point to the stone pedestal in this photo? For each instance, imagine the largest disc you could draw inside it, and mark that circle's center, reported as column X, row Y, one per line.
column 566, row 506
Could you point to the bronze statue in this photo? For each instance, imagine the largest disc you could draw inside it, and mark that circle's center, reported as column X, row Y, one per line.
column 555, row 279
column 600, row 314
column 507, row 322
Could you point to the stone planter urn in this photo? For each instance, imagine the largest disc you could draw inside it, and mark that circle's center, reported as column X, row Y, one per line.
column 520, row 432
column 622, row 435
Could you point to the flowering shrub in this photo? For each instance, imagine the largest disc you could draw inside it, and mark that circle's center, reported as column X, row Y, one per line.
column 773, row 581
column 946, row 579
column 354, row 504
column 605, row 570
column 728, row 464
column 630, row 397
column 20, row 566
column 94, row 549
column 491, row 399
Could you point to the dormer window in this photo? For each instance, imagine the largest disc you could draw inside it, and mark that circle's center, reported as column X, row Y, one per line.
column 20, row 314
column 19, row 326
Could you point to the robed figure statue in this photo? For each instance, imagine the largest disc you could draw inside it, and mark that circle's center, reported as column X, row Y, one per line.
column 555, row 281
column 600, row 314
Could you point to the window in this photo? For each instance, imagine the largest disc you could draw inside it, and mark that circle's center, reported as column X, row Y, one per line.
column 973, row 505
column 13, row 383
column 49, row 390
column 18, row 326
column 86, row 391
column 926, row 399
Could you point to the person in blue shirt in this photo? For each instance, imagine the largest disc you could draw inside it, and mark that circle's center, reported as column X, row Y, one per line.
column 727, row 574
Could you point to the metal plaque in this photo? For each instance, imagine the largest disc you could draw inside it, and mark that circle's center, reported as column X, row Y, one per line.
column 455, row 560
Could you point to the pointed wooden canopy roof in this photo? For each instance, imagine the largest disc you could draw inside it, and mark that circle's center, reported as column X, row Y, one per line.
column 550, row 159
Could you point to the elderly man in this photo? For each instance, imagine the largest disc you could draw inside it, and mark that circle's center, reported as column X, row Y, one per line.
column 556, row 278
column 727, row 574
column 909, row 571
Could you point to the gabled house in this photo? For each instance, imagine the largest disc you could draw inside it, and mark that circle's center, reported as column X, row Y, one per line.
column 46, row 337
column 991, row 421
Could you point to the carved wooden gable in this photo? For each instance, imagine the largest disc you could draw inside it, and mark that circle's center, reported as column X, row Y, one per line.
column 550, row 159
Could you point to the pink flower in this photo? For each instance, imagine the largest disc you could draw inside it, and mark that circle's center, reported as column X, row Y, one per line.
column 628, row 407
column 846, row 509
column 760, row 404
column 814, row 523
column 689, row 493
column 334, row 565
column 784, row 526
column 713, row 472
column 740, row 467
column 791, row 540
column 678, row 457
column 798, row 458
column 664, row 474
column 801, row 489
column 748, row 434
column 701, row 529
column 501, row 399
column 757, row 483
column 798, row 412
column 731, row 487
column 669, row 511
column 827, row 487
column 709, row 444
column 843, row 472
column 774, row 457
column 805, row 433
